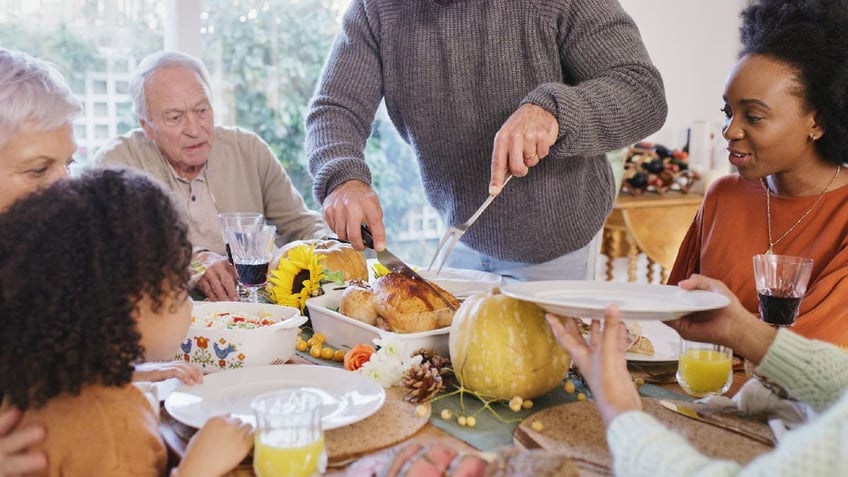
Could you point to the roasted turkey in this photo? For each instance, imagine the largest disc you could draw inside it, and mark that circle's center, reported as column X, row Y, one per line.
column 398, row 303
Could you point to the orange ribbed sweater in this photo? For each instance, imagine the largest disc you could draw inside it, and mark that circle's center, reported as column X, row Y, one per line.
column 731, row 227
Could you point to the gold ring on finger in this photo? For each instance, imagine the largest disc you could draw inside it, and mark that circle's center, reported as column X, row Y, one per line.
column 531, row 156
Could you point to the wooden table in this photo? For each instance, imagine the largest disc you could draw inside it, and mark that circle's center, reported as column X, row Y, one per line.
column 176, row 434
column 651, row 224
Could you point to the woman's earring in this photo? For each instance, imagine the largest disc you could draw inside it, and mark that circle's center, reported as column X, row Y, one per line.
column 812, row 137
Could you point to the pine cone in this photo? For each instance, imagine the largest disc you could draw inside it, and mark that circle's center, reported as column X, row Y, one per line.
column 435, row 360
column 422, row 382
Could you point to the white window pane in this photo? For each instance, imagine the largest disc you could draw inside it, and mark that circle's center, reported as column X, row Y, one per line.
column 101, row 109
column 101, row 132
column 122, row 87
column 98, row 87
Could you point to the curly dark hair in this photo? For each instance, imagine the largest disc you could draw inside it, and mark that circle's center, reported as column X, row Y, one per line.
column 811, row 36
column 75, row 258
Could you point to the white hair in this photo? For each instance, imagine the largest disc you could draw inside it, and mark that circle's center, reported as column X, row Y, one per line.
column 32, row 91
column 157, row 61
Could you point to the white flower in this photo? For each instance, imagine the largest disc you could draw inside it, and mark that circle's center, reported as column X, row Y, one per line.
column 390, row 362
column 386, row 372
column 391, row 347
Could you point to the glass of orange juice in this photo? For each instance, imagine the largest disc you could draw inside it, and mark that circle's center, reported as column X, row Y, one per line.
column 289, row 440
column 704, row 369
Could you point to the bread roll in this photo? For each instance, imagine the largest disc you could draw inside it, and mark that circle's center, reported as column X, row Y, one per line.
column 360, row 303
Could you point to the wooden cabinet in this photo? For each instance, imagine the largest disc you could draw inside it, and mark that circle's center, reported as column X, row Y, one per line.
column 650, row 224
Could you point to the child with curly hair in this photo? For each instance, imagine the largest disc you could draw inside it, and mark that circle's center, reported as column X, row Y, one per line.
column 93, row 279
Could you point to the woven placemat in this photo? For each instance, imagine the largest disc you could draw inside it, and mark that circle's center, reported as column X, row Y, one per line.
column 395, row 422
column 576, row 430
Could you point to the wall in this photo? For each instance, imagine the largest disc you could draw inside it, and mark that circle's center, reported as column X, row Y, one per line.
column 694, row 44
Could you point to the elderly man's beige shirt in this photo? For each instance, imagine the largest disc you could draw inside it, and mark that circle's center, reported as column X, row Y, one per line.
column 241, row 175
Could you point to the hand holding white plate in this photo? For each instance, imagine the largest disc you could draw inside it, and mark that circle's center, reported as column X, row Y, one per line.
column 346, row 397
column 637, row 301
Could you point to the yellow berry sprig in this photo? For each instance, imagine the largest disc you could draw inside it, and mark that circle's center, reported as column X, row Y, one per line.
column 570, row 388
column 317, row 348
column 463, row 418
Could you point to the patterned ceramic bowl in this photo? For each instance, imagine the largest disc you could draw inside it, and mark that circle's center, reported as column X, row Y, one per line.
column 229, row 335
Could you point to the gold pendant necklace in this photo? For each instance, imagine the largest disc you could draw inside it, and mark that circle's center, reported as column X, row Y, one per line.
column 772, row 243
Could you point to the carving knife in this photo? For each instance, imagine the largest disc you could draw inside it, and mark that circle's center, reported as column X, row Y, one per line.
column 778, row 428
column 693, row 414
column 393, row 263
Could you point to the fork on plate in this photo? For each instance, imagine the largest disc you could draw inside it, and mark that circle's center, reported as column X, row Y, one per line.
column 455, row 232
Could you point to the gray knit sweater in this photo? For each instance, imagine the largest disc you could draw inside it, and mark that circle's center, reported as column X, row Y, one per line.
column 451, row 73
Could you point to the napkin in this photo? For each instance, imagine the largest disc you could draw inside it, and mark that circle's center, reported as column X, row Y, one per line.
column 158, row 391
column 755, row 398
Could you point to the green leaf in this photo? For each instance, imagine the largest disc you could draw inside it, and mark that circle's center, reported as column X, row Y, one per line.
column 333, row 277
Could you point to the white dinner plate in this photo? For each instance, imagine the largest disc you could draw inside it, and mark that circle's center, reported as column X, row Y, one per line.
column 637, row 301
column 461, row 282
column 666, row 343
column 347, row 397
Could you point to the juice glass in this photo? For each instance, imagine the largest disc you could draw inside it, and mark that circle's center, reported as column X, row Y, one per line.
column 289, row 440
column 704, row 369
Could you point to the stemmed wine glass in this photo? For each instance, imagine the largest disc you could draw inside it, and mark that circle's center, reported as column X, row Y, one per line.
column 251, row 252
column 241, row 221
column 781, row 284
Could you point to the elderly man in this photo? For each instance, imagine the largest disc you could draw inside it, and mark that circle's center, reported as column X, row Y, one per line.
column 210, row 169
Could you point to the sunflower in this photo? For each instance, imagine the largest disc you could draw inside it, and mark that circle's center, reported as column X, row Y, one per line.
column 379, row 269
column 297, row 277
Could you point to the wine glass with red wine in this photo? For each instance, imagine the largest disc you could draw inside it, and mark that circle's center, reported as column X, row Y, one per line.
column 252, row 251
column 242, row 221
column 781, row 284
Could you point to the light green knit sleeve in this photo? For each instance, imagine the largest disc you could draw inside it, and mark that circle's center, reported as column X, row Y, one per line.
column 811, row 371
column 641, row 446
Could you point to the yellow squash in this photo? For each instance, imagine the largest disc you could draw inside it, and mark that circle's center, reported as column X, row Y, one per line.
column 501, row 347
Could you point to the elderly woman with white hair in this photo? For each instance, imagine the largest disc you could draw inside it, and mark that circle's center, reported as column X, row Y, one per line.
column 36, row 131
column 37, row 110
